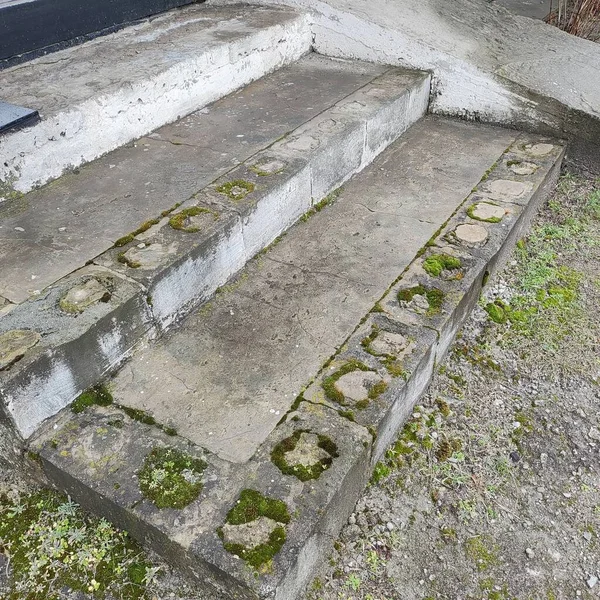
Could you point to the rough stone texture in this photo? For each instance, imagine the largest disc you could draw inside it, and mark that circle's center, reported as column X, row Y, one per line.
column 355, row 386
column 487, row 63
column 75, row 349
column 230, row 373
column 14, row 344
column 394, row 344
column 306, row 452
column 82, row 214
column 83, row 295
column 471, row 235
column 484, row 211
column 98, row 96
column 249, row 534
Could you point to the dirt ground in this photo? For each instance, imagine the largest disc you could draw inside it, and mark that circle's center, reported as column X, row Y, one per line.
column 493, row 488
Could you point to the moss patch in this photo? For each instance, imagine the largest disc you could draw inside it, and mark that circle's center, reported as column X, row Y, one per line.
column 393, row 366
column 126, row 239
column 329, row 382
column 237, row 189
column 99, row 395
column 436, row 263
column 303, row 473
column 319, row 206
column 132, row 264
column 250, row 506
column 472, row 215
column 181, row 220
column 170, row 478
column 52, row 547
column 435, row 297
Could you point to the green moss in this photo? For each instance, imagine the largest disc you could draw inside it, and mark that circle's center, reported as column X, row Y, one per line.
column 99, row 395
column 256, row 169
column 510, row 163
column 250, row 506
column 53, row 547
column 472, row 215
column 181, row 222
column 303, row 473
column 347, row 414
column 170, row 478
column 436, row 263
column 380, row 471
column 496, row 311
column 132, row 264
column 126, row 239
column 376, row 390
column 435, row 297
column 237, row 189
column 138, row 415
column 482, row 551
column 328, row 384
column 319, row 206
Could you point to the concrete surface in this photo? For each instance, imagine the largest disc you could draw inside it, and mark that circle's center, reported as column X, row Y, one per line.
column 226, row 377
column 96, row 456
column 102, row 94
column 488, row 64
column 52, row 231
column 535, row 9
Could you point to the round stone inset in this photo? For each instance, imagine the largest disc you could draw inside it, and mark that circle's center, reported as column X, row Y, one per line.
column 307, row 451
column 355, row 386
column 485, row 211
column 538, row 149
column 471, row 235
column 268, row 166
column 250, row 535
column 146, row 256
column 524, row 168
column 15, row 343
column 387, row 343
column 78, row 298
column 506, row 188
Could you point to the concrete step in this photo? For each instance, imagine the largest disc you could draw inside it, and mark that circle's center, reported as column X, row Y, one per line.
column 284, row 391
column 112, row 263
column 100, row 95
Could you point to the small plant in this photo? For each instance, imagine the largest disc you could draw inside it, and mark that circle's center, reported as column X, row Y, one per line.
column 98, row 395
column 170, row 478
column 434, row 297
column 435, row 264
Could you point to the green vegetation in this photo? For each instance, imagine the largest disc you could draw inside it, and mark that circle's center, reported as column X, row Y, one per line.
column 170, row 478
column 236, row 190
column 303, row 473
column 319, row 206
column 334, row 394
column 482, row 551
column 393, row 366
column 250, row 506
column 126, row 239
column 435, row 264
column 435, row 297
column 52, row 545
column 99, row 395
column 181, row 220
column 472, row 215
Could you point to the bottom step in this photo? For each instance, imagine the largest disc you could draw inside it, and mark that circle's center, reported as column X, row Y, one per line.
column 237, row 446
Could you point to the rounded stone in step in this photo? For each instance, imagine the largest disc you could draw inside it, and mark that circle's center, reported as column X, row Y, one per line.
column 506, row 189
column 524, row 168
column 538, row 149
column 485, row 211
column 83, row 295
column 303, row 143
column 355, row 386
column 147, row 256
column 268, row 166
column 307, row 452
column 252, row 534
column 15, row 343
column 389, row 343
column 471, row 235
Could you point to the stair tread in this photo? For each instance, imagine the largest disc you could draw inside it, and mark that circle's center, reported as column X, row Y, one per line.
column 54, row 230
column 228, row 374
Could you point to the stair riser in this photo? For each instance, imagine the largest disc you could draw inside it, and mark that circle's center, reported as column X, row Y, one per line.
column 84, row 132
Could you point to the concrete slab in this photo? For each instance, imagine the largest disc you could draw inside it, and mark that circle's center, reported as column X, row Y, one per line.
column 52, row 231
column 100, row 95
column 228, row 375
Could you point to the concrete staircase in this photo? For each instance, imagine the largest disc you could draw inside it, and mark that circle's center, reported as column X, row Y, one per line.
column 154, row 308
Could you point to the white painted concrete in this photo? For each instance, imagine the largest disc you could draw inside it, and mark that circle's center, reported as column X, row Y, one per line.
column 96, row 97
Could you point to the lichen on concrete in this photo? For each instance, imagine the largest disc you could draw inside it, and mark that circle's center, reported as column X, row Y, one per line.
column 170, row 478
column 190, row 219
column 253, row 506
column 304, row 454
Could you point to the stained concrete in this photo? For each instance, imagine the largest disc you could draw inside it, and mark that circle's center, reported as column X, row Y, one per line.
column 52, row 231
column 228, row 375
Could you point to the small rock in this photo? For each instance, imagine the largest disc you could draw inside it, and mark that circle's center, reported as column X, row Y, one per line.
column 19, row 229
column 351, row 533
column 515, row 456
column 594, row 433
column 352, row 519
column 390, row 526
column 530, row 553
column 587, row 536
column 592, row 581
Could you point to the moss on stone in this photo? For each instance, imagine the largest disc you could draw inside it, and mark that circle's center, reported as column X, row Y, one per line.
column 376, row 390
column 319, row 206
column 472, row 215
column 180, row 220
column 237, row 189
column 329, row 382
column 257, row 170
column 347, row 414
column 132, row 264
column 436, row 263
column 435, row 297
column 171, row 479
column 126, row 239
column 393, row 366
column 250, row 506
column 497, row 311
column 303, row 473
column 99, row 395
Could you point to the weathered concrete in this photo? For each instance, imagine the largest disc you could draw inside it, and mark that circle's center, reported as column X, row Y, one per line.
column 488, row 64
column 53, row 231
column 98, row 96
column 96, row 456
column 228, row 375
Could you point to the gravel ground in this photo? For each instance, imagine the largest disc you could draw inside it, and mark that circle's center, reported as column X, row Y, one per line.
column 493, row 488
